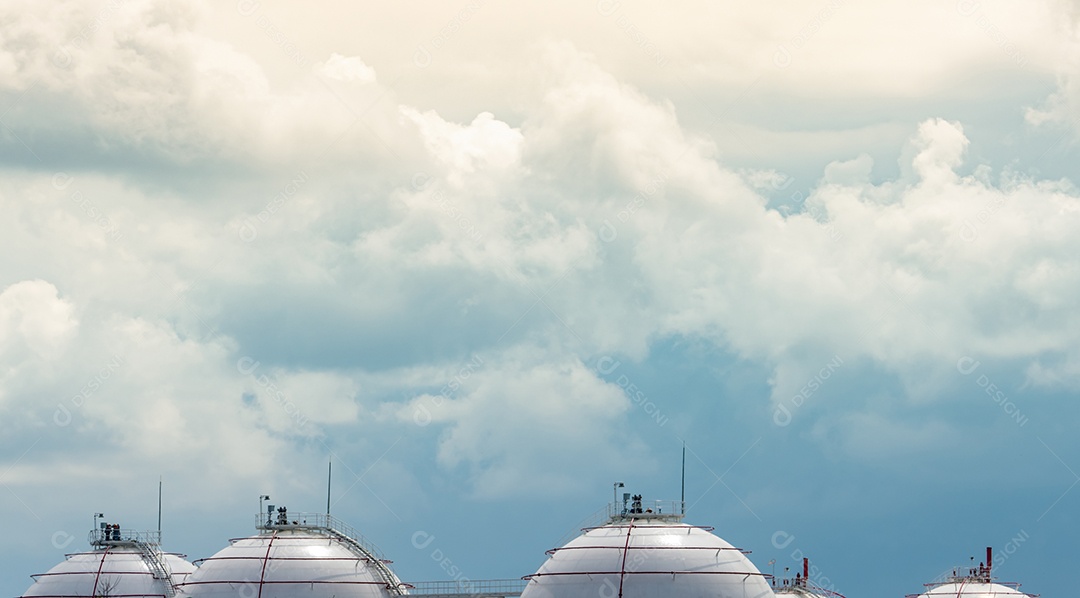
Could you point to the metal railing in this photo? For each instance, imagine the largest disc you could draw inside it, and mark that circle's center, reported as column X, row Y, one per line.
column 469, row 587
column 661, row 509
column 100, row 537
column 319, row 521
column 393, row 584
column 149, row 545
column 326, row 524
column 968, row 573
column 159, row 567
column 645, row 509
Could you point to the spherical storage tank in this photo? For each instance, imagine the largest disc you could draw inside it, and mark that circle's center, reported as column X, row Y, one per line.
column 645, row 553
column 973, row 582
column 295, row 556
column 122, row 564
column 802, row 587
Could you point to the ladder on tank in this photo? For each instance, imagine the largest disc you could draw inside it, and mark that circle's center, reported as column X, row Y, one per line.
column 358, row 548
column 159, row 569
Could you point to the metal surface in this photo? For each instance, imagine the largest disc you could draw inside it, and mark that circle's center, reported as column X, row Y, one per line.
column 646, row 555
column 802, row 586
column 666, row 510
column 118, row 536
column 975, row 589
column 114, row 571
column 468, row 588
column 347, row 535
column 296, row 555
column 973, row 582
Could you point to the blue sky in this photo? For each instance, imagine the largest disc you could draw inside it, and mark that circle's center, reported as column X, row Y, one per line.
column 490, row 258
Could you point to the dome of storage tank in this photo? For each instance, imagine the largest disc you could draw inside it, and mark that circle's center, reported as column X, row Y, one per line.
column 973, row 582
column 975, row 589
column 121, row 563
column 646, row 552
column 801, row 586
column 293, row 556
column 802, row 591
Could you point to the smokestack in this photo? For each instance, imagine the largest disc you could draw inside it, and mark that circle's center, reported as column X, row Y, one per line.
column 989, row 559
column 805, row 569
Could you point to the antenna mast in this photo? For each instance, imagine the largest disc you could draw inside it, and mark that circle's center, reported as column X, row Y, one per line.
column 159, row 508
column 329, row 472
column 683, row 496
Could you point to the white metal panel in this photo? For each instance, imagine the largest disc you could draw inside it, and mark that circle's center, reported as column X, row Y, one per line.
column 661, row 559
column 116, row 572
column 286, row 564
column 973, row 589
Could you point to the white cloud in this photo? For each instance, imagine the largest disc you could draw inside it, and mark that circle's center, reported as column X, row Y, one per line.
column 236, row 244
column 519, row 425
column 347, row 68
column 932, row 264
column 597, row 225
column 34, row 321
column 36, row 327
column 485, row 144
column 1063, row 105
column 137, row 81
column 940, row 148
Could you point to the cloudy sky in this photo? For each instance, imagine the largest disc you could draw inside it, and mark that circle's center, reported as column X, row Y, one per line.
column 489, row 258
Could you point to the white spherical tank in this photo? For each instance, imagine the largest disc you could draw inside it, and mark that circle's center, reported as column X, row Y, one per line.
column 974, row 589
column 122, row 563
column 802, row 592
column 646, row 553
column 306, row 555
column 973, row 582
column 801, row 586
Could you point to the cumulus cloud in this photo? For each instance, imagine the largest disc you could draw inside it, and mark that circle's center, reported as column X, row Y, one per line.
column 1063, row 105
column 900, row 273
column 347, row 68
column 231, row 252
column 486, row 144
column 36, row 327
column 136, row 82
column 939, row 147
column 136, row 395
column 518, row 424
column 34, row 321
column 596, row 225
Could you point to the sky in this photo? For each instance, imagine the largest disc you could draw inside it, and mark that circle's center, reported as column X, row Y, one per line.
column 488, row 259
